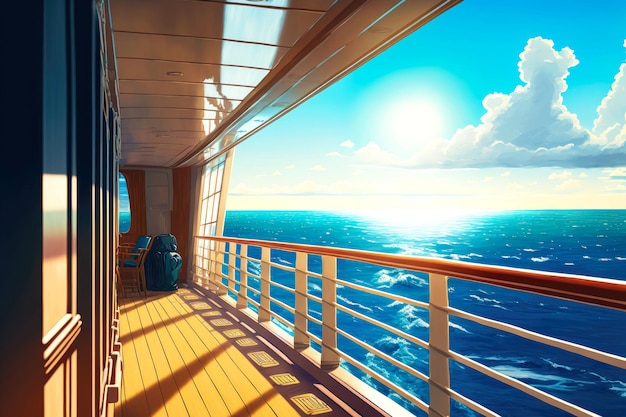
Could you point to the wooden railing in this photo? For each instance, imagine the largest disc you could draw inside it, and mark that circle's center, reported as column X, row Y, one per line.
column 226, row 265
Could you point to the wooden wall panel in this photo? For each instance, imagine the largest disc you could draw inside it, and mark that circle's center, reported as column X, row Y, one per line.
column 181, row 215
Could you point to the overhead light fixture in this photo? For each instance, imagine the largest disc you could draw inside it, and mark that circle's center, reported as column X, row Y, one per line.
column 174, row 73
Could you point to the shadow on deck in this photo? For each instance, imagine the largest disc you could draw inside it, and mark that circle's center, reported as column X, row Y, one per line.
column 189, row 353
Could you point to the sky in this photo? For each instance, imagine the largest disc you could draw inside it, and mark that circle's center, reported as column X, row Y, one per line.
column 491, row 106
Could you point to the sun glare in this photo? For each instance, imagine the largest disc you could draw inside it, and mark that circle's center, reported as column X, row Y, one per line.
column 410, row 121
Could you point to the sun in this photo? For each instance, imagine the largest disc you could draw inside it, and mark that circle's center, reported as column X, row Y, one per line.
column 412, row 121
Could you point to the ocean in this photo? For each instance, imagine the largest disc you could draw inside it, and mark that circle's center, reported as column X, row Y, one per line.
column 583, row 242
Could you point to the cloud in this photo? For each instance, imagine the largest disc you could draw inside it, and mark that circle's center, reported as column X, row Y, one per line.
column 617, row 174
column 334, row 154
column 610, row 126
column 292, row 166
column 374, row 153
column 530, row 127
column 347, row 144
column 318, row 168
column 560, row 176
column 505, row 174
column 276, row 173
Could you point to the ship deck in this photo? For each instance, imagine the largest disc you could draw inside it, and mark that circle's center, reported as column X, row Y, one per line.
column 188, row 353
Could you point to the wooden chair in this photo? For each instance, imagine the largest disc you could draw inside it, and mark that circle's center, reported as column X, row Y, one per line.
column 130, row 266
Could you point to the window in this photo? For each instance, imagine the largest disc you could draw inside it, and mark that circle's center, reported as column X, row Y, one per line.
column 211, row 190
column 124, row 206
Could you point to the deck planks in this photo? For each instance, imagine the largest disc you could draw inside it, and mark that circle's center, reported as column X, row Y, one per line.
column 177, row 364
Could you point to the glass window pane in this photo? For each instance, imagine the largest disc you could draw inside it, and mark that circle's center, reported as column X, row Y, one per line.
column 213, row 181
column 124, row 216
column 216, row 204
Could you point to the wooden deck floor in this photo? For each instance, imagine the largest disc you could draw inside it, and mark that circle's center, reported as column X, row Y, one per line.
column 184, row 355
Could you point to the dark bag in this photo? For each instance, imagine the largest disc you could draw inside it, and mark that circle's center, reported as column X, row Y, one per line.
column 163, row 264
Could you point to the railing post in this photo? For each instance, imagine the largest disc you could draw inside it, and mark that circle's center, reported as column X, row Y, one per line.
column 264, row 308
column 212, row 265
column 242, row 297
column 300, row 338
column 221, row 289
column 439, row 339
column 330, row 357
column 232, row 261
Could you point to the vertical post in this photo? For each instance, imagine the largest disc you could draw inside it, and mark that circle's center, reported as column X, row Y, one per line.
column 232, row 261
column 212, row 266
column 264, row 308
column 439, row 338
column 300, row 338
column 242, row 297
column 219, row 269
column 330, row 356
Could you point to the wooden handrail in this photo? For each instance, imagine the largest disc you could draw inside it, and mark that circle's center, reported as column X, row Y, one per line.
column 603, row 292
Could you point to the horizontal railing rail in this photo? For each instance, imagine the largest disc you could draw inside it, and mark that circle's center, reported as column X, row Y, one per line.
column 226, row 266
column 598, row 291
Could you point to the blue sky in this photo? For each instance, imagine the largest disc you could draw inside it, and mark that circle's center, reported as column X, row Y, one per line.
column 494, row 105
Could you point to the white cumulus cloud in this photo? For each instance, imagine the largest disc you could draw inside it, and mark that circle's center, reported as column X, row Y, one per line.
column 560, row 175
column 375, row 154
column 531, row 127
column 347, row 144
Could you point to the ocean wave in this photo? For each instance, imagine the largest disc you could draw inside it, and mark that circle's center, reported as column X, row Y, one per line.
column 407, row 249
column 492, row 301
column 605, row 259
column 556, row 365
column 388, row 279
column 530, row 250
column 555, row 382
column 410, row 318
column 254, row 267
column 314, row 288
column 459, row 327
column 484, row 299
column 620, row 258
column 458, row 257
column 510, row 257
column 352, row 303
column 283, row 261
column 498, row 358
column 540, row 259
column 619, row 387
column 397, row 347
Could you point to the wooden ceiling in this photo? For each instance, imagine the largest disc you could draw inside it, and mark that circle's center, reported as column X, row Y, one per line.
column 194, row 78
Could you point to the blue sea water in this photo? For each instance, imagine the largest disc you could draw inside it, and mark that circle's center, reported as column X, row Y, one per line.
column 583, row 242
